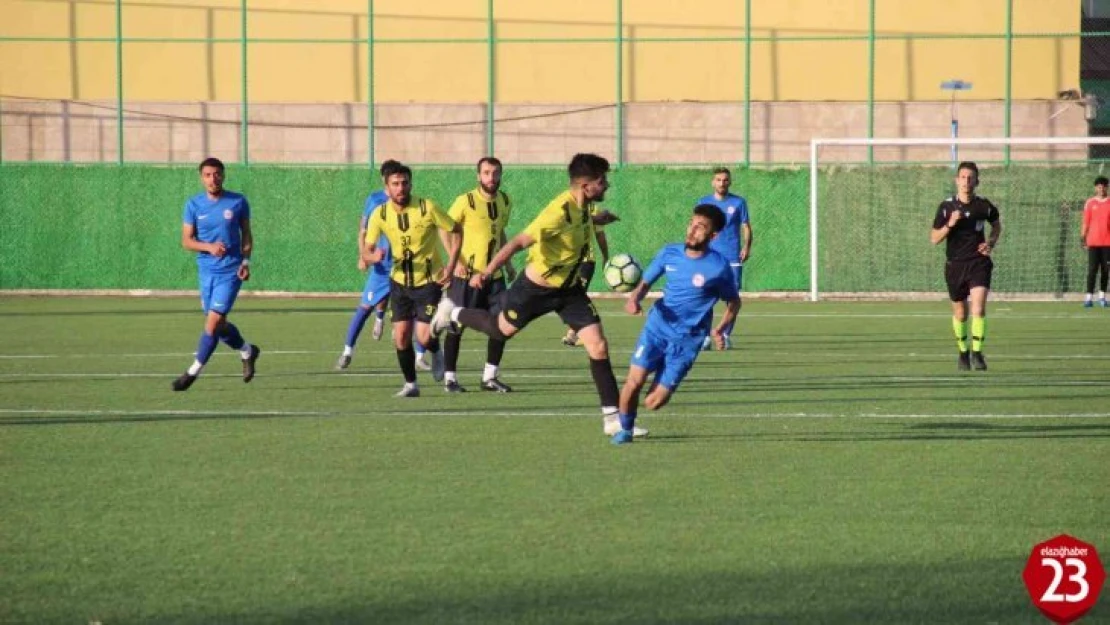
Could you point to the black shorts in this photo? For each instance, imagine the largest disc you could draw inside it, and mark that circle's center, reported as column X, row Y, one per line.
column 419, row 302
column 964, row 275
column 485, row 298
column 525, row 301
column 586, row 272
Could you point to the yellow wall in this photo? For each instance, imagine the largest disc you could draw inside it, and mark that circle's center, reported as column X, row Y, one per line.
column 533, row 72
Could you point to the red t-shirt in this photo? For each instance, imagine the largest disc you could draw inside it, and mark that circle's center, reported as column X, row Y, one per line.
column 1096, row 219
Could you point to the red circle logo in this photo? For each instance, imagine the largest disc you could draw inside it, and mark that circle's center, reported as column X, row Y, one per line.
column 1064, row 577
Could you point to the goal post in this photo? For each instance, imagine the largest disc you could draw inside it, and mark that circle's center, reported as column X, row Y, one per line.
column 869, row 219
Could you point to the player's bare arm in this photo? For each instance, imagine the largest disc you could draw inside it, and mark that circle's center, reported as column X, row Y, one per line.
column 632, row 305
column 602, row 246
column 247, row 246
column 732, row 309
column 517, row 243
column 189, row 241
column 452, row 241
column 941, row 233
column 510, row 271
column 986, row 247
column 746, row 235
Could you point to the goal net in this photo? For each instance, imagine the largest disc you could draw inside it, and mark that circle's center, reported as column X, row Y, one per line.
column 872, row 203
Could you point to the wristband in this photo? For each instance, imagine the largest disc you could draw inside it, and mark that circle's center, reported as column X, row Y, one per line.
column 246, row 262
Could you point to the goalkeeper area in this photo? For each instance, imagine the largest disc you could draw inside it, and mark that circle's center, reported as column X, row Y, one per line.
column 834, row 467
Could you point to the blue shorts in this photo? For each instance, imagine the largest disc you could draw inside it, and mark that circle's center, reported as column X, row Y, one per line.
column 218, row 291
column 738, row 273
column 670, row 360
column 376, row 289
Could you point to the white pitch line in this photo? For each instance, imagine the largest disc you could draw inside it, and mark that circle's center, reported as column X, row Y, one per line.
column 517, row 414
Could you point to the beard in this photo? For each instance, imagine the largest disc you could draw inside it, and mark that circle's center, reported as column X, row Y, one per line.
column 697, row 247
column 490, row 190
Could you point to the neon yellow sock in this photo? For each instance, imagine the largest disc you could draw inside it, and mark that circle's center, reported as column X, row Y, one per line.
column 978, row 333
column 960, row 328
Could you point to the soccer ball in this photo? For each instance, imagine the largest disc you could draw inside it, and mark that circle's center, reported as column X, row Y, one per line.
column 622, row 273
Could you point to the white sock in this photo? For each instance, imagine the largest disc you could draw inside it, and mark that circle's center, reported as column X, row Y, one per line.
column 490, row 372
column 245, row 351
column 1088, row 297
column 455, row 314
column 609, row 412
column 449, row 376
column 409, row 385
column 1102, row 294
column 194, row 369
column 348, row 350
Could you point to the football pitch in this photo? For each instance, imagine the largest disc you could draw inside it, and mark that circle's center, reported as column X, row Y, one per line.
column 833, row 468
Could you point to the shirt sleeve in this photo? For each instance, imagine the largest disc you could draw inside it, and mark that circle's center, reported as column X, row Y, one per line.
column 992, row 213
column 439, row 217
column 655, row 269
column 457, row 208
column 245, row 214
column 743, row 208
column 727, row 289
column 545, row 225
column 189, row 215
column 373, row 230
column 1087, row 214
column 941, row 217
column 594, row 210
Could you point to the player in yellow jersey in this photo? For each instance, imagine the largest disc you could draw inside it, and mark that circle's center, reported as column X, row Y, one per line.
column 483, row 214
column 410, row 224
column 588, row 267
column 557, row 241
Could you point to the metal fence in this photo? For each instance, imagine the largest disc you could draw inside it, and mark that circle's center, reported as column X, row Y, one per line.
column 746, row 133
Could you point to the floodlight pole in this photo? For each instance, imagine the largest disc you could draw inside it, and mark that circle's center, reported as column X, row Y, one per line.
column 955, row 85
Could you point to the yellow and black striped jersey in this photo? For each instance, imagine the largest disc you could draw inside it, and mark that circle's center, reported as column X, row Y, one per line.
column 562, row 233
column 594, row 210
column 483, row 222
column 413, row 240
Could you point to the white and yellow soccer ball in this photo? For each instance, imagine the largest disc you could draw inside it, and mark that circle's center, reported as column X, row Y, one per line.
column 622, row 273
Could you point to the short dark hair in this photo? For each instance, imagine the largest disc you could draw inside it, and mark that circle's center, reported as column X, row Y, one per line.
column 589, row 166
column 393, row 168
column 713, row 214
column 722, row 170
column 968, row 165
column 1102, row 180
column 387, row 164
column 211, row 161
column 492, row 160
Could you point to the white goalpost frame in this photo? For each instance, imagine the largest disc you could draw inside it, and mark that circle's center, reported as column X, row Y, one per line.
column 816, row 144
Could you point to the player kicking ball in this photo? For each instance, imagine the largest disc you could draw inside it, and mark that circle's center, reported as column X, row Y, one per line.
column 678, row 323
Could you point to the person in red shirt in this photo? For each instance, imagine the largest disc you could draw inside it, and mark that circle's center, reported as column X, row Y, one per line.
column 1095, row 233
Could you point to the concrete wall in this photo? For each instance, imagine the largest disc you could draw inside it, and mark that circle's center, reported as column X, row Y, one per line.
column 548, row 51
column 673, row 133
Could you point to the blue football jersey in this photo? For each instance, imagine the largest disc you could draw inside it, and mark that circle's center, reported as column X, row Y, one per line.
column 218, row 220
column 735, row 209
column 374, row 200
column 693, row 286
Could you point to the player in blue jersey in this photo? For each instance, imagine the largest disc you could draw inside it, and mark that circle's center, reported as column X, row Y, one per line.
column 217, row 225
column 697, row 277
column 375, row 295
column 734, row 241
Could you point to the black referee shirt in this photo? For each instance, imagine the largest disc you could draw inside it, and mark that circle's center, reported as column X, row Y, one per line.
column 964, row 238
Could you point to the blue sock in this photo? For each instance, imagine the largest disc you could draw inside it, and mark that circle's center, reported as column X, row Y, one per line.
column 357, row 322
column 232, row 337
column 627, row 420
column 205, row 347
column 420, row 349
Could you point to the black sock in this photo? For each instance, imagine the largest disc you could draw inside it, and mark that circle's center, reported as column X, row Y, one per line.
column 495, row 349
column 432, row 346
column 407, row 358
column 451, row 346
column 606, row 382
column 482, row 321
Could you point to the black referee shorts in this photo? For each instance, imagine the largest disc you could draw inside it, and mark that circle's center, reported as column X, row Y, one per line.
column 409, row 303
column 526, row 301
column 964, row 275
